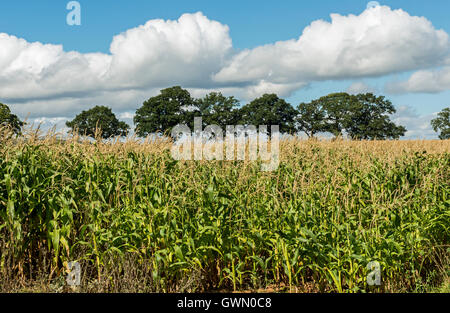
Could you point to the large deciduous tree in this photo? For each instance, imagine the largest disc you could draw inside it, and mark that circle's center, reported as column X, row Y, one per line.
column 7, row 119
column 98, row 118
column 442, row 124
column 311, row 118
column 216, row 109
column 269, row 110
column 368, row 118
column 160, row 114
column 336, row 107
column 362, row 116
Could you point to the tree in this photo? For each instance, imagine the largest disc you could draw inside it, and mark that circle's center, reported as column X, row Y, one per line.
column 7, row 119
column 217, row 109
column 336, row 107
column 161, row 113
column 362, row 116
column 442, row 124
column 269, row 110
column 311, row 118
column 368, row 118
column 99, row 117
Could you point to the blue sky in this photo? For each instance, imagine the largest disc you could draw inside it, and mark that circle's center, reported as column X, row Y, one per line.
column 252, row 24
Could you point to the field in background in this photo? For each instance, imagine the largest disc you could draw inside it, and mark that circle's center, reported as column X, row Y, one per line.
column 137, row 220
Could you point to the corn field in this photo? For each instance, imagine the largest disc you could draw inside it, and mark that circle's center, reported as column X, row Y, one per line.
column 138, row 221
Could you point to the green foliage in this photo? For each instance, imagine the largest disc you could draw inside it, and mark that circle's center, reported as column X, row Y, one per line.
column 368, row 118
column 217, row 109
column 337, row 108
column 161, row 113
column 9, row 120
column 98, row 118
column 362, row 116
column 311, row 118
column 442, row 124
column 269, row 110
column 316, row 221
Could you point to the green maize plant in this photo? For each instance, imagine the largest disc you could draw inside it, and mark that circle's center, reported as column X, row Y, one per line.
column 138, row 220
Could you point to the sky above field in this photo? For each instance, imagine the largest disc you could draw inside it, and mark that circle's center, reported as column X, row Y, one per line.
column 126, row 51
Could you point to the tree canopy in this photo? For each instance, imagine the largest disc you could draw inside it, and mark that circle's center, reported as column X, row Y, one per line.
column 368, row 118
column 442, row 124
column 216, row 109
column 101, row 118
column 269, row 110
column 362, row 116
column 161, row 113
column 311, row 118
column 336, row 107
column 9, row 120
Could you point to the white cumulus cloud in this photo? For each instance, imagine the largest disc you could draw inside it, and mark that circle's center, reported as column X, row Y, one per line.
column 379, row 41
column 162, row 52
column 423, row 82
column 36, row 70
column 418, row 126
column 360, row 87
column 155, row 55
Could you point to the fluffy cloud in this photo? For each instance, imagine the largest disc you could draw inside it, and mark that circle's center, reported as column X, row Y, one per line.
column 158, row 54
column 377, row 42
column 119, row 100
column 418, row 126
column 45, row 124
column 161, row 52
column 422, row 82
column 250, row 92
column 360, row 87
column 36, row 71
